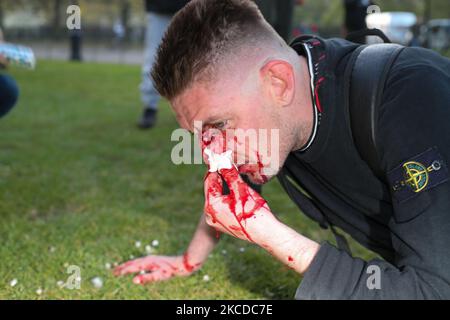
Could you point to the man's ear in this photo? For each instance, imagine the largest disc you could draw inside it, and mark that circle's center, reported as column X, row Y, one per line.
column 278, row 79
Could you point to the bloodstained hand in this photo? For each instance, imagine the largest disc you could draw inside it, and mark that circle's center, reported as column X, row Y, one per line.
column 157, row 268
column 236, row 213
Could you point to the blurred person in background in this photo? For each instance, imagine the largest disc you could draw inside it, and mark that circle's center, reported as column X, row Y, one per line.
column 159, row 14
column 279, row 14
column 75, row 39
column 355, row 18
column 9, row 91
column 119, row 32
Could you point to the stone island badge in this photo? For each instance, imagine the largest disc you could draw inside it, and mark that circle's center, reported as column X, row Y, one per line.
column 418, row 174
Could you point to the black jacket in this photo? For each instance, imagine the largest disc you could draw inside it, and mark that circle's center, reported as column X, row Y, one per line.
column 165, row 6
column 409, row 228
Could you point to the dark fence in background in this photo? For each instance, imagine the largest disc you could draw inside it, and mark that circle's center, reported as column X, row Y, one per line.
column 99, row 42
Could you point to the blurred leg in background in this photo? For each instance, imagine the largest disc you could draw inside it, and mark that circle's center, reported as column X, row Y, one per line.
column 355, row 18
column 279, row 13
column 9, row 93
column 285, row 13
column 75, row 45
column 156, row 26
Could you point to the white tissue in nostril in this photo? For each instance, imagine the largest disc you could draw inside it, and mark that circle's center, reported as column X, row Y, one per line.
column 219, row 161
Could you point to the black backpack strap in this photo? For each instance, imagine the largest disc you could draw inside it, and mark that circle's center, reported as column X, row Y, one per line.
column 310, row 209
column 304, row 203
column 359, row 36
column 366, row 76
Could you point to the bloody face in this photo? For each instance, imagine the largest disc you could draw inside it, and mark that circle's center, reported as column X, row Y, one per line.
column 234, row 119
column 245, row 152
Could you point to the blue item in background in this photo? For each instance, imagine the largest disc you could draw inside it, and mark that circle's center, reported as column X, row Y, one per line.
column 9, row 92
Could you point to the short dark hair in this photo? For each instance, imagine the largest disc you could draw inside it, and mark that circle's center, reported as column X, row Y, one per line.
column 199, row 36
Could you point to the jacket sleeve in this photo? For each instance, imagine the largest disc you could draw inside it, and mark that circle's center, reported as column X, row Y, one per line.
column 413, row 125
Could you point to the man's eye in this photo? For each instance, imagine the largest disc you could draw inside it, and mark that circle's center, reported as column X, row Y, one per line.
column 220, row 125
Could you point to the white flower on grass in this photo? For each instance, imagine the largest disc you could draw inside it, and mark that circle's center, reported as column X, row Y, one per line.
column 241, row 249
column 13, row 282
column 269, row 293
column 205, row 277
column 107, row 265
column 137, row 244
column 149, row 249
column 224, row 252
column 39, row 291
column 155, row 243
column 60, row 283
column 131, row 257
column 97, row 282
column 52, row 249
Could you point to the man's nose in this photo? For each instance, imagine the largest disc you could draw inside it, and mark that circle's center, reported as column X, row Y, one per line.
column 214, row 140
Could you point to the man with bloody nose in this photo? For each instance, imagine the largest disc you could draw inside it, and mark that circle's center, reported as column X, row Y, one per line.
column 222, row 65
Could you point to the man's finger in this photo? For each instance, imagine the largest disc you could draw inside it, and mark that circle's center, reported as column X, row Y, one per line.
column 152, row 277
column 126, row 267
column 213, row 185
column 231, row 177
column 135, row 266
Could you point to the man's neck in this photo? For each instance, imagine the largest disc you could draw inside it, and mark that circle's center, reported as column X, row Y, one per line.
column 305, row 118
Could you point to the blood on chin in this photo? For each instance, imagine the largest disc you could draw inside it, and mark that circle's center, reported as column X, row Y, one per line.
column 253, row 172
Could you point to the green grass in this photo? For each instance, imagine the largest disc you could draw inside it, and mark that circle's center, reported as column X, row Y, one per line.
column 76, row 175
